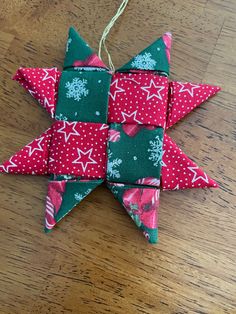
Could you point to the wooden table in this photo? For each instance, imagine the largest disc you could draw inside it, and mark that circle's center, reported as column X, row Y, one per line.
column 97, row 261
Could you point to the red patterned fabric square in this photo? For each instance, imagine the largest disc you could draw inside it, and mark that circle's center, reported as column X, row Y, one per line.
column 138, row 98
column 78, row 148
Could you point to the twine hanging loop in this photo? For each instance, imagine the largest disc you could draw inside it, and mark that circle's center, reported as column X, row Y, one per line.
column 102, row 43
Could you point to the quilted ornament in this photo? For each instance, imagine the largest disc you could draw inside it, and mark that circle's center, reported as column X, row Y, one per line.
column 110, row 127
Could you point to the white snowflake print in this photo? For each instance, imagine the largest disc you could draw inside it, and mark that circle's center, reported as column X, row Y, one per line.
column 112, row 165
column 68, row 44
column 155, row 151
column 67, row 177
column 77, row 89
column 144, row 62
column 61, row 117
column 89, row 69
column 114, row 190
column 79, row 197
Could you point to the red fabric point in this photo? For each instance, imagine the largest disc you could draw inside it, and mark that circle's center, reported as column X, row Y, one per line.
column 42, row 84
column 31, row 159
column 180, row 172
column 184, row 97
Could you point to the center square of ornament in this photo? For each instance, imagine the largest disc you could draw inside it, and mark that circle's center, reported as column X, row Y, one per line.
column 134, row 154
column 78, row 148
column 83, row 95
column 138, row 97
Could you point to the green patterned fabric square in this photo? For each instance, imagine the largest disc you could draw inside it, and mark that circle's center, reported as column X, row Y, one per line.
column 134, row 154
column 83, row 96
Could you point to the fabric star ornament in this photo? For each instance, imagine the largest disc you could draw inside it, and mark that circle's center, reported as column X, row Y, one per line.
column 110, row 127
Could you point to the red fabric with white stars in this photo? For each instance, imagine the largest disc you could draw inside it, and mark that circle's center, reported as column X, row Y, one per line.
column 31, row 159
column 138, row 98
column 180, row 172
column 78, row 148
column 184, row 97
column 42, row 84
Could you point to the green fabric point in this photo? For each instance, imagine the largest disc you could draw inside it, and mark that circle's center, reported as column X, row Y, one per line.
column 152, row 234
column 76, row 48
column 152, row 58
column 133, row 210
column 46, row 230
column 75, row 192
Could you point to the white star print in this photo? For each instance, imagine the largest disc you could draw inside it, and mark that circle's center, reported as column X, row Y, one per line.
column 150, row 95
column 31, row 92
column 48, row 75
column 46, row 104
column 163, row 164
column 38, row 147
column 133, row 114
column 89, row 160
column 117, row 89
column 65, row 132
column 51, row 159
column 6, row 168
column 196, row 176
column 104, row 126
column 188, row 89
column 176, row 187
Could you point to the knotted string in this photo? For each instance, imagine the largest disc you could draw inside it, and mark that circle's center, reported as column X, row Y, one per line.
column 102, row 43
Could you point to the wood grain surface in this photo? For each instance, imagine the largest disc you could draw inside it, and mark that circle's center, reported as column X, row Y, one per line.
column 98, row 261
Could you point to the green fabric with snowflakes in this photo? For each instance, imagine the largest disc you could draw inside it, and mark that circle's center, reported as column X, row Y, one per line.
column 83, row 96
column 133, row 157
column 76, row 48
column 153, row 58
column 75, row 192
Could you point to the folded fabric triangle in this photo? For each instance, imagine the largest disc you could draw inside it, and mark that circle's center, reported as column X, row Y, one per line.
column 184, row 97
column 63, row 195
column 79, row 53
column 31, row 159
column 179, row 171
column 42, row 84
column 155, row 57
column 141, row 203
